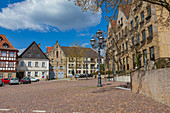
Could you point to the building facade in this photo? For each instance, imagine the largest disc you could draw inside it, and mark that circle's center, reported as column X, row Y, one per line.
column 63, row 60
column 137, row 35
column 8, row 58
column 33, row 62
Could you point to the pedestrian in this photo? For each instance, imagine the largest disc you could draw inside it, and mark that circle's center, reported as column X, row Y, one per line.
column 47, row 78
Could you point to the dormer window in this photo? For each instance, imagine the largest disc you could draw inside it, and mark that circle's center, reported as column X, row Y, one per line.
column 5, row 45
column 1, row 38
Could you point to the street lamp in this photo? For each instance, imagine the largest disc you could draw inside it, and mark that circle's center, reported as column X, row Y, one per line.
column 98, row 42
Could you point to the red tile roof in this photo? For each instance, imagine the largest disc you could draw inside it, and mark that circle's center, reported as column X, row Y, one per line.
column 49, row 49
column 126, row 9
column 114, row 24
column 5, row 40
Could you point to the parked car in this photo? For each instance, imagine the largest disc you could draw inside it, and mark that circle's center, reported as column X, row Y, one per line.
column 90, row 75
column 26, row 80
column 1, row 83
column 82, row 75
column 34, row 79
column 77, row 76
column 5, row 80
column 13, row 81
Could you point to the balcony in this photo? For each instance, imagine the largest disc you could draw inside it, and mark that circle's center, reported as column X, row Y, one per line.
column 150, row 37
column 137, row 43
column 143, row 40
column 148, row 17
column 141, row 22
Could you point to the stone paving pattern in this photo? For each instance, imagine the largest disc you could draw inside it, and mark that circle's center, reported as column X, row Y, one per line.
column 76, row 96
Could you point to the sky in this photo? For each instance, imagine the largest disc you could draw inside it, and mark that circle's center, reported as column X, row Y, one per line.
column 45, row 21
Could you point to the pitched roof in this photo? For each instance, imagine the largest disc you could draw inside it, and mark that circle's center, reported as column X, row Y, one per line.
column 114, row 24
column 83, row 52
column 5, row 40
column 126, row 9
column 34, row 50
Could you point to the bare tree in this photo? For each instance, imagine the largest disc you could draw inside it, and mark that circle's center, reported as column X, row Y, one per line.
column 76, row 54
column 112, row 6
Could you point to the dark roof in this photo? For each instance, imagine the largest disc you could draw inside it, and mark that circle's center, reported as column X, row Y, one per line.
column 35, row 52
column 80, row 51
column 5, row 41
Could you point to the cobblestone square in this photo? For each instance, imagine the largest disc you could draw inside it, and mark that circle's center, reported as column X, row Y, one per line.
column 75, row 96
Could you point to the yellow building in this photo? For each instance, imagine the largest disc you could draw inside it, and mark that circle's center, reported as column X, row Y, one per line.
column 140, row 32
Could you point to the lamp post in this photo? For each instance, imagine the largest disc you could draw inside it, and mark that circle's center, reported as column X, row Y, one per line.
column 98, row 42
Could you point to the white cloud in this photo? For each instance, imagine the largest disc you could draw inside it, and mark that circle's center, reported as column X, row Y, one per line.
column 20, row 51
column 85, row 44
column 84, row 34
column 47, row 15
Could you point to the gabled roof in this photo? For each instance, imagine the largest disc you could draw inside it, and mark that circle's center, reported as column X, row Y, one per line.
column 125, row 9
column 6, row 41
column 114, row 24
column 34, row 50
column 85, row 52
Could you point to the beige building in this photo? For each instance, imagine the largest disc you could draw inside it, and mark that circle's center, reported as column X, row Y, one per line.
column 136, row 35
column 63, row 60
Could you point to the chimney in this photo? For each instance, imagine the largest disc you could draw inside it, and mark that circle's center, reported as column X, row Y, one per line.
column 39, row 45
column 56, row 41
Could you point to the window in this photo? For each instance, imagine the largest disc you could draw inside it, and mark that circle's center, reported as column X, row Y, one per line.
column 43, row 73
column 143, row 34
column 43, row 64
column 127, row 45
column 52, row 60
column 2, row 64
column 123, row 47
column 1, row 75
column 152, row 54
column 150, row 30
column 36, row 64
column 36, row 74
column 9, row 75
column 29, row 64
column 122, row 21
column 138, row 36
column 133, row 41
column 11, row 54
column 29, row 54
column 122, row 32
column 1, row 38
column 10, row 64
column 119, row 35
column 149, row 11
column 57, row 54
column 142, row 16
column 144, row 55
column 134, row 61
column 3, row 53
column 127, row 62
column 123, row 63
column 38, row 55
column 132, row 25
column 137, row 20
column 126, row 29
column 5, row 45
column 29, row 74
column 61, row 60
column 120, row 48
column 22, row 63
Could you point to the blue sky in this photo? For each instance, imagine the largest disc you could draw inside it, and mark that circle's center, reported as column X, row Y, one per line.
column 45, row 21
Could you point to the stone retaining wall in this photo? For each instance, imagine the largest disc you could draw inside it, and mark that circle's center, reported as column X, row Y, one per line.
column 154, row 84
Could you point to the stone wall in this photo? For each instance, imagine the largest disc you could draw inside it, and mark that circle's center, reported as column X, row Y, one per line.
column 154, row 84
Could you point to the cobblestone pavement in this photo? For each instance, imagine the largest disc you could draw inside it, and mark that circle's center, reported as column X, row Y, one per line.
column 75, row 96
